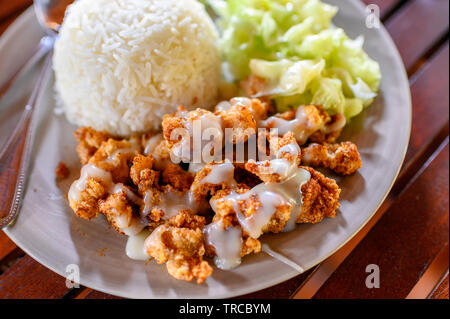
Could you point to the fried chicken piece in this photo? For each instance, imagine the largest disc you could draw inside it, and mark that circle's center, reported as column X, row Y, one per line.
column 142, row 173
column 240, row 119
column 211, row 178
column 119, row 211
column 184, row 120
column 185, row 219
column 249, row 205
column 226, row 218
column 240, row 114
column 182, row 250
column 257, row 107
column 62, row 171
column 115, row 156
column 342, row 158
column 177, row 177
column 85, row 202
column 89, row 141
column 331, row 131
column 156, row 146
column 303, row 122
column 287, row 159
column 320, row 198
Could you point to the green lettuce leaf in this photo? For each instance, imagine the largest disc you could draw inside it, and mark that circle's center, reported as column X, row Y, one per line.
column 293, row 45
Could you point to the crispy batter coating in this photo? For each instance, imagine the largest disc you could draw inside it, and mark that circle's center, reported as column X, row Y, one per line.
column 285, row 149
column 202, row 187
column 182, row 120
column 115, row 156
column 142, row 174
column 177, row 177
column 240, row 119
column 185, row 219
column 331, row 132
column 226, row 217
column 89, row 141
column 62, row 171
column 117, row 210
column 303, row 122
column 86, row 206
column 320, row 198
column 182, row 250
column 342, row 158
column 225, row 210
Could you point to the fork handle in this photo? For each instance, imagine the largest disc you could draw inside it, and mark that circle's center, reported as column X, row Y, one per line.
column 15, row 156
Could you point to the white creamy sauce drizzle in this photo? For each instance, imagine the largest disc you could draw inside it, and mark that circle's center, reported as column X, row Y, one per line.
column 270, row 196
column 112, row 157
column 282, row 166
column 301, row 126
column 227, row 244
column 152, row 143
column 225, row 105
column 265, row 248
column 118, row 188
column 220, row 173
column 170, row 202
column 244, row 101
column 129, row 227
column 135, row 227
column 153, row 240
column 292, row 191
column 269, row 200
column 338, row 125
column 196, row 167
column 89, row 170
column 135, row 246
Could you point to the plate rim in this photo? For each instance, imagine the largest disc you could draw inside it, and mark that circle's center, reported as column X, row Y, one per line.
column 28, row 14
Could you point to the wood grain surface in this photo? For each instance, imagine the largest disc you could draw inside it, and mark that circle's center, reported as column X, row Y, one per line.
column 408, row 231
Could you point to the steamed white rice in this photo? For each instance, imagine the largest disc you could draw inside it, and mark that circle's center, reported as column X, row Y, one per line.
column 120, row 65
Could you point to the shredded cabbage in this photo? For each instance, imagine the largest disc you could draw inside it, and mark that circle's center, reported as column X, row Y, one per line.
column 293, row 45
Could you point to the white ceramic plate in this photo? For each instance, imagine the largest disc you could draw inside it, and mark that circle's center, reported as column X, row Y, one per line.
column 48, row 230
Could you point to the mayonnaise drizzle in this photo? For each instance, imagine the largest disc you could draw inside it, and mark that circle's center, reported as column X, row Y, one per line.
column 152, row 143
column 220, row 173
column 227, row 244
column 89, row 170
column 170, row 202
column 128, row 226
column 265, row 248
column 302, row 126
column 135, row 246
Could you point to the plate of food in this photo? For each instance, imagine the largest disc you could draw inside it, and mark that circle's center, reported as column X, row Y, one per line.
column 206, row 149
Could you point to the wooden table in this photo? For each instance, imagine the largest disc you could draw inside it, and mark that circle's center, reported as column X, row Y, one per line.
column 408, row 237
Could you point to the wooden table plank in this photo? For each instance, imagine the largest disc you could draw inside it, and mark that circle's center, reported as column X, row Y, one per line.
column 403, row 243
column 417, row 27
column 6, row 245
column 441, row 290
column 430, row 97
column 28, row 279
column 281, row 291
column 8, row 7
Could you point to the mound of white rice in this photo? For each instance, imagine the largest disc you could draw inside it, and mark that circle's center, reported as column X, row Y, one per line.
column 120, row 65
